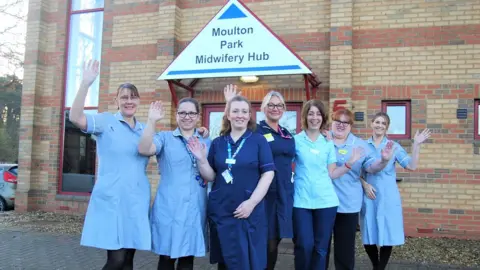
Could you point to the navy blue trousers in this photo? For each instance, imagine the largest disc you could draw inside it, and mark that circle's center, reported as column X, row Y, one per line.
column 312, row 229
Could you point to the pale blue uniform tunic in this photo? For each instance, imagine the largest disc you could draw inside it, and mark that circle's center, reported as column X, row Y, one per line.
column 178, row 215
column 381, row 219
column 348, row 186
column 312, row 183
column 117, row 215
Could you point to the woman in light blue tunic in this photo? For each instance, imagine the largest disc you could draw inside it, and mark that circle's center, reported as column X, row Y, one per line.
column 349, row 187
column 315, row 200
column 381, row 219
column 178, row 216
column 117, row 215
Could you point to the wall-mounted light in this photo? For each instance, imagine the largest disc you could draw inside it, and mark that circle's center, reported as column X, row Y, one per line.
column 249, row 79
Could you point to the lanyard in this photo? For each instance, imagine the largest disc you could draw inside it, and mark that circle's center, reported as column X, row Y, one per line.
column 199, row 179
column 229, row 149
column 282, row 135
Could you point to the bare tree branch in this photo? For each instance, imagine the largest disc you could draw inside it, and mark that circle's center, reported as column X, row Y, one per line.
column 12, row 35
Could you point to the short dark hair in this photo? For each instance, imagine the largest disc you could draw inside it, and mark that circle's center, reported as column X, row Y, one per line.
column 191, row 100
column 306, row 108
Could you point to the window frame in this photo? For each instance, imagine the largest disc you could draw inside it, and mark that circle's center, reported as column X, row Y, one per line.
column 408, row 124
column 220, row 107
column 65, row 108
column 476, row 127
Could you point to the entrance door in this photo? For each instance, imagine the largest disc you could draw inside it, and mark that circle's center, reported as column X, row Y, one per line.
column 213, row 113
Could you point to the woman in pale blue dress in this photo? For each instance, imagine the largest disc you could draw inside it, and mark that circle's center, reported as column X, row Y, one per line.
column 381, row 219
column 178, row 217
column 117, row 215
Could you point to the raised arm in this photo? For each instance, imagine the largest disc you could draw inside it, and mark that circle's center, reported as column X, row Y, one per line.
column 146, row 146
column 230, row 91
column 418, row 140
column 337, row 172
column 77, row 115
column 379, row 164
column 199, row 150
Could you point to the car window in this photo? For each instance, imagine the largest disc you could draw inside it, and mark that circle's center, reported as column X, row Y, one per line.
column 14, row 170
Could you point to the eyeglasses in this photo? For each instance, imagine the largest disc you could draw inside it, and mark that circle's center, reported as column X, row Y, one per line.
column 272, row 106
column 341, row 123
column 190, row 114
column 126, row 98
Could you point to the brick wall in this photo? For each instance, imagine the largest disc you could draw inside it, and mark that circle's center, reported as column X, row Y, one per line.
column 428, row 52
column 362, row 51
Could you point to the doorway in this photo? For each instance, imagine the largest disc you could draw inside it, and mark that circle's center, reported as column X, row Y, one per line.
column 212, row 117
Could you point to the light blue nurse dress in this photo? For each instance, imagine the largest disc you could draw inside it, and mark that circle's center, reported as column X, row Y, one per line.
column 348, row 186
column 118, row 212
column 178, row 216
column 381, row 220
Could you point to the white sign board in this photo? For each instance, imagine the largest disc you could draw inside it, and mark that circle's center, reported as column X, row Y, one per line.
column 234, row 43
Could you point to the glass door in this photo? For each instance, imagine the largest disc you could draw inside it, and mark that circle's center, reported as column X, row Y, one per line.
column 213, row 113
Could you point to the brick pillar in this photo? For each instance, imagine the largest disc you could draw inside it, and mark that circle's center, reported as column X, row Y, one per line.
column 341, row 52
column 33, row 87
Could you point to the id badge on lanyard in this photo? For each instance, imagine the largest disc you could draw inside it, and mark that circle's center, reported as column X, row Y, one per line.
column 227, row 174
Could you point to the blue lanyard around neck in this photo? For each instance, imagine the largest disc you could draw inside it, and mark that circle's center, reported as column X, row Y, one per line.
column 199, row 179
column 229, row 149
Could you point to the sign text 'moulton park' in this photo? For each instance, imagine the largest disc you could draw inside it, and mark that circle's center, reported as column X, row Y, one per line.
column 234, row 43
column 231, row 45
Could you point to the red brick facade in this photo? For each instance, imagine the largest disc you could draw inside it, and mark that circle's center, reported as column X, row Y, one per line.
column 362, row 51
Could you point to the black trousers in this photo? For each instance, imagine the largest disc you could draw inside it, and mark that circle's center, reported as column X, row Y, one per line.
column 344, row 233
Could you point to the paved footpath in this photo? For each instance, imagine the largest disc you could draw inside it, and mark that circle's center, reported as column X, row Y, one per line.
column 26, row 250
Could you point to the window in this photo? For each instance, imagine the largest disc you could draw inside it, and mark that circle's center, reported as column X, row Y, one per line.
column 399, row 113
column 213, row 113
column 84, row 42
column 476, row 120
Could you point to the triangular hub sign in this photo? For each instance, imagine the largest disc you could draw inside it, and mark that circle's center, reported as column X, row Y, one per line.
column 235, row 43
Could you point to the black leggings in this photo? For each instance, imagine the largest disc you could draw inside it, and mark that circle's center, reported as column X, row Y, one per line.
column 272, row 253
column 166, row 263
column 121, row 259
column 372, row 252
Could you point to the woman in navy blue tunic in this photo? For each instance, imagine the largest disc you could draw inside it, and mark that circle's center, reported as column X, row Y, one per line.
column 279, row 198
column 241, row 165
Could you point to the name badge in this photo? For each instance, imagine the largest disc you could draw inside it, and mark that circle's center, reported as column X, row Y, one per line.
column 342, row 151
column 269, row 137
column 227, row 176
column 314, row 151
column 230, row 161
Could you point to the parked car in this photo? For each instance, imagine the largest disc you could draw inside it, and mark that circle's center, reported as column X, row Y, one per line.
column 8, row 185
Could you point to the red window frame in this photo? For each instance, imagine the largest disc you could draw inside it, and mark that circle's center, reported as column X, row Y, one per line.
column 408, row 122
column 476, row 130
column 208, row 108
column 63, row 107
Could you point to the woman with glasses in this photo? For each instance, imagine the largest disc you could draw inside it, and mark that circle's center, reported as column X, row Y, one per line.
column 117, row 214
column 279, row 199
column 349, row 187
column 381, row 217
column 178, row 216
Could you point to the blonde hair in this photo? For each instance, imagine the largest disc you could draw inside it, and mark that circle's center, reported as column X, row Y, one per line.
column 269, row 96
column 226, row 126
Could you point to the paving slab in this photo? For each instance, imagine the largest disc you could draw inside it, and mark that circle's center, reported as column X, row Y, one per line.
column 28, row 250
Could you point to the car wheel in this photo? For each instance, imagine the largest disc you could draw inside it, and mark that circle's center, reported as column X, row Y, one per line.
column 3, row 205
